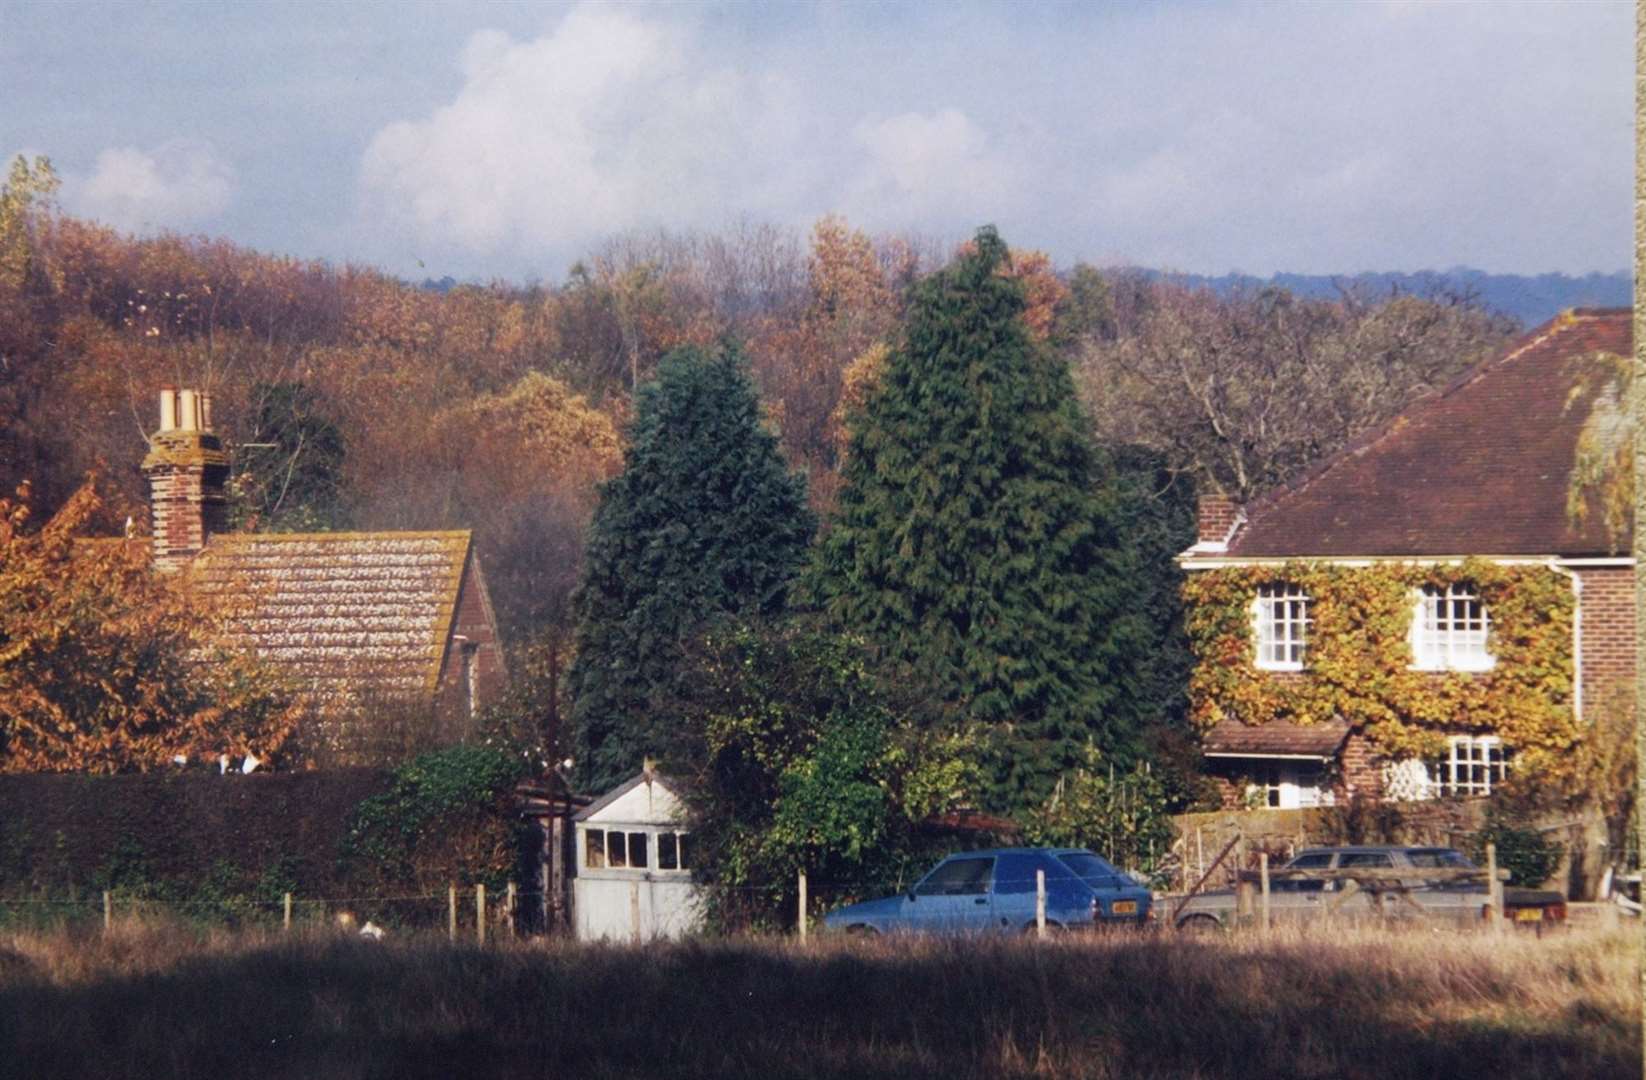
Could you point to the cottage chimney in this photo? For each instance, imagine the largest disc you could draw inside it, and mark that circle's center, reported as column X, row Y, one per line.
column 1217, row 515
column 186, row 468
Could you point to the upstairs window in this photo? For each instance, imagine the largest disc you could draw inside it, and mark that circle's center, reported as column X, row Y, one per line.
column 1449, row 630
column 1281, row 613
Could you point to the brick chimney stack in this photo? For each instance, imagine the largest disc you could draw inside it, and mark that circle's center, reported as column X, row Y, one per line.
column 186, row 467
column 1216, row 517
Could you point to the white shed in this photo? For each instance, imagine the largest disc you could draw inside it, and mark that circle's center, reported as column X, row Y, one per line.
column 633, row 865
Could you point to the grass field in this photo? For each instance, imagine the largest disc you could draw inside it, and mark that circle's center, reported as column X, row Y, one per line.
column 166, row 1002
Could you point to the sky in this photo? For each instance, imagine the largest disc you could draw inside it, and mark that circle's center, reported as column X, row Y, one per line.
column 485, row 140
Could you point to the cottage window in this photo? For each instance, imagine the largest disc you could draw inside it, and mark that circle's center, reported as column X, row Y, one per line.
column 1473, row 763
column 594, row 848
column 1281, row 614
column 1449, row 630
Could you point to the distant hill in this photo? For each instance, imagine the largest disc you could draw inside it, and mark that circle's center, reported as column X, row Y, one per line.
column 1531, row 299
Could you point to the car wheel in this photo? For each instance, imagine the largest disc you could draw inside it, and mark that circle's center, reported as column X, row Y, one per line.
column 1200, row 924
column 862, row 931
column 1051, row 928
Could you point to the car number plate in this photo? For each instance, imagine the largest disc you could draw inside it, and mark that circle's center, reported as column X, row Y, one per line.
column 1528, row 914
column 1125, row 907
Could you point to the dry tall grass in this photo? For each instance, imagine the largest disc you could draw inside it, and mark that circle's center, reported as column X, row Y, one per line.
column 164, row 1002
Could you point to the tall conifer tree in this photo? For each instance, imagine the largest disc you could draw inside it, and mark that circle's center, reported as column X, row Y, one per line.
column 705, row 519
column 969, row 542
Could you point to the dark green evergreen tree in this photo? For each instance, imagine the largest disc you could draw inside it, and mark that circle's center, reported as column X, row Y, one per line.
column 705, row 519
column 289, row 475
column 969, row 542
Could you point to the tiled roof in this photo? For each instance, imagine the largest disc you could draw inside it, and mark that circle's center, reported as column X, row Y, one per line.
column 1231, row 738
column 1481, row 468
column 343, row 612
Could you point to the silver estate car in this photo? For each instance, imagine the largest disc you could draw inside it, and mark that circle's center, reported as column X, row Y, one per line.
column 1458, row 898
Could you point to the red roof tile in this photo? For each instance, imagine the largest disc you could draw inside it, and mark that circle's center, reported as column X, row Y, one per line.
column 343, row 612
column 1481, row 468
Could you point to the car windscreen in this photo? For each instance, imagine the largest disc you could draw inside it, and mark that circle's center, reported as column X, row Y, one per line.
column 1440, row 859
column 1093, row 870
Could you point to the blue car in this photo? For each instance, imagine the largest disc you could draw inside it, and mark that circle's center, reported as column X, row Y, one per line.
column 981, row 892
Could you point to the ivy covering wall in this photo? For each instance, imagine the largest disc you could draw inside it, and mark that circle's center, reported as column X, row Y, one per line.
column 1358, row 663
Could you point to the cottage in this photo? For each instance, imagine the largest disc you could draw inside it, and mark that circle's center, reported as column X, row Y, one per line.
column 634, row 864
column 369, row 624
column 1436, row 602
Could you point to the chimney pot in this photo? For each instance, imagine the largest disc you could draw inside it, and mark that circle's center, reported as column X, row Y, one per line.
column 191, row 409
column 168, row 408
column 205, row 412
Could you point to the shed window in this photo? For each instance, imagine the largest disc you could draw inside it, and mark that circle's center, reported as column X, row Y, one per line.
column 671, row 851
column 615, row 848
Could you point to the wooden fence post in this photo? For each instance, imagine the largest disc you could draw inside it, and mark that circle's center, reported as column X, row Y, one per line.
column 1494, row 887
column 508, row 908
column 802, row 907
column 480, row 914
column 451, row 912
column 1263, row 878
column 285, row 917
column 108, row 911
column 1040, row 903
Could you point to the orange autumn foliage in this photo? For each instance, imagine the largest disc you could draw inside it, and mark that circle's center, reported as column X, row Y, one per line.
column 106, row 666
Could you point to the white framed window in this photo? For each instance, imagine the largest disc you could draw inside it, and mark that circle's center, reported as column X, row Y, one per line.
column 1288, row 786
column 1450, row 628
column 1281, row 617
column 631, row 849
column 1473, row 763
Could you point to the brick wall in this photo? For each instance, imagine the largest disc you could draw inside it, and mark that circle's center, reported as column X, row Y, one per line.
column 1608, row 625
column 474, row 622
column 1215, row 517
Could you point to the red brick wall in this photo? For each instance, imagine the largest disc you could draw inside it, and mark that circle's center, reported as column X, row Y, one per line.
column 1362, row 768
column 186, row 506
column 1607, row 618
column 1215, row 517
column 473, row 621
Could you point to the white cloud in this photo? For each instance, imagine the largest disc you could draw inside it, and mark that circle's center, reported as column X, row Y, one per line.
column 178, row 184
column 924, row 163
column 614, row 120
column 608, row 122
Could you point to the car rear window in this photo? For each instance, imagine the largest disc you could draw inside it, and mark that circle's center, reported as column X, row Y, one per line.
column 1093, row 870
column 1440, row 859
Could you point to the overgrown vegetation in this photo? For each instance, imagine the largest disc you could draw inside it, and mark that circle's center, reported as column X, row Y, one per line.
column 146, row 1002
column 1360, row 661
column 448, row 816
column 106, row 666
column 803, row 756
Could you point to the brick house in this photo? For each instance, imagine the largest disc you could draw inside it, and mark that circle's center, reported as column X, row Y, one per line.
column 1480, row 474
column 368, row 624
